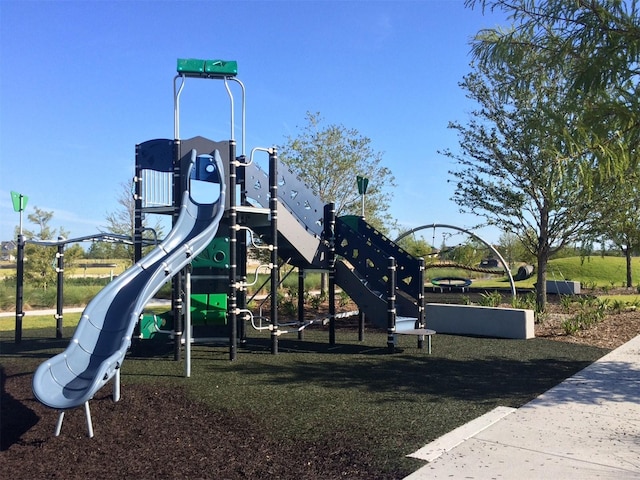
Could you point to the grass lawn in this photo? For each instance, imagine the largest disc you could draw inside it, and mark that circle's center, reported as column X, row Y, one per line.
column 353, row 391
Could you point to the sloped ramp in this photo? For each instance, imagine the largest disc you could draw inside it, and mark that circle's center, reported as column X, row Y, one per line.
column 373, row 303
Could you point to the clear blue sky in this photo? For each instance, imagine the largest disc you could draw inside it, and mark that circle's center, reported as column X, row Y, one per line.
column 82, row 82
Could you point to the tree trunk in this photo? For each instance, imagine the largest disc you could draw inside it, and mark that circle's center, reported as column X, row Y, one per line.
column 627, row 254
column 541, row 282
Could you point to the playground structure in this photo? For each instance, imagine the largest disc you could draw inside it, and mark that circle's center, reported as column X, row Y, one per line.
column 205, row 256
column 222, row 203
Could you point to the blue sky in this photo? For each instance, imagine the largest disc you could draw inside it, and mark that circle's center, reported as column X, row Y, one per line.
column 81, row 83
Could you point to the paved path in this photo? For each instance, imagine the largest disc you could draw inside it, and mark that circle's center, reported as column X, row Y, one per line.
column 52, row 311
column 587, row 427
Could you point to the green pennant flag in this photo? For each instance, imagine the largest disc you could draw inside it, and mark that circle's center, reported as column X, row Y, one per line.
column 19, row 201
column 362, row 182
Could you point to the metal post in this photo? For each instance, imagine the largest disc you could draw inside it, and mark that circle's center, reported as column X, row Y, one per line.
column 137, row 215
column 21, row 210
column 391, row 306
column 187, row 322
column 273, row 210
column 300, row 302
column 420, row 321
column 60, row 288
column 19, row 288
column 361, row 318
column 233, row 254
column 329, row 233
column 332, row 307
column 176, row 286
column 176, row 283
column 177, row 316
column 242, row 258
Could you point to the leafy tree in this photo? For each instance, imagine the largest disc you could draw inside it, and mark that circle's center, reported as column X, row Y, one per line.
column 418, row 247
column 121, row 222
column 596, row 43
column 512, row 249
column 515, row 168
column 40, row 259
column 620, row 220
column 469, row 253
column 328, row 159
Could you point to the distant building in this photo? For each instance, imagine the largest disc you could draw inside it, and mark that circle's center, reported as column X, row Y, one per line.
column 7, row 250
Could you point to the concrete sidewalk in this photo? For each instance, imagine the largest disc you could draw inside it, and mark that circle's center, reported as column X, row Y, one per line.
column 586, row 427
column 52, row 311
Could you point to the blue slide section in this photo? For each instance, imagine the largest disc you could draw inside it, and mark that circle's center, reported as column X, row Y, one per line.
column 103, row 335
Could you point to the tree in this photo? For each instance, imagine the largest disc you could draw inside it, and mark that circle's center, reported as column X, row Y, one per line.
column 516, row 168
column 512, row 249
column 40, row 259
column 122, row 222
column 328, row 159
column 597, row 43
column 418, row 247
column 620, row 221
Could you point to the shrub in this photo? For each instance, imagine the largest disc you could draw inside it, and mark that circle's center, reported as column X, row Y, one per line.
column 566, row 301
column 490, row 299
column 317, row 300
column 343, row 299
column 527, row 301
column 618, row 306
column 288, row 307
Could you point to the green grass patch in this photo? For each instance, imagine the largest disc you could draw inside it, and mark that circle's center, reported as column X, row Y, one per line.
column 39, row 323
column 596, row 271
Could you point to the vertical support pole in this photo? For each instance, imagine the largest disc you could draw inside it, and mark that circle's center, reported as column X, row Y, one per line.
column 187, row 322
column 137, row 215
column 420, row 321
column 87, row 412
column 391, row 305
column 242, row 254
column 116, row 386
column 330, row 235
column 59, row 288
column 59, row 423
column 275, row 281
column 176, row 306
column 300, row 302
column 176, row 285
column 332, row 306
column 233, row 254
column 361, row 318
column 19, row 288
column 22, row 207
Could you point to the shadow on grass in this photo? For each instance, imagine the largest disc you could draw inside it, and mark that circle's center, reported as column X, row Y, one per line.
column 461, row 368
column 442, row 378
column 33, row 347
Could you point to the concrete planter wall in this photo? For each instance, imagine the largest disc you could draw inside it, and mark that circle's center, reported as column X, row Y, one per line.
column 563, row 287
column 482, row 321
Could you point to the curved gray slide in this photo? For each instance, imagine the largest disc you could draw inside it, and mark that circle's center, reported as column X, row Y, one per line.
column 103, row 335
